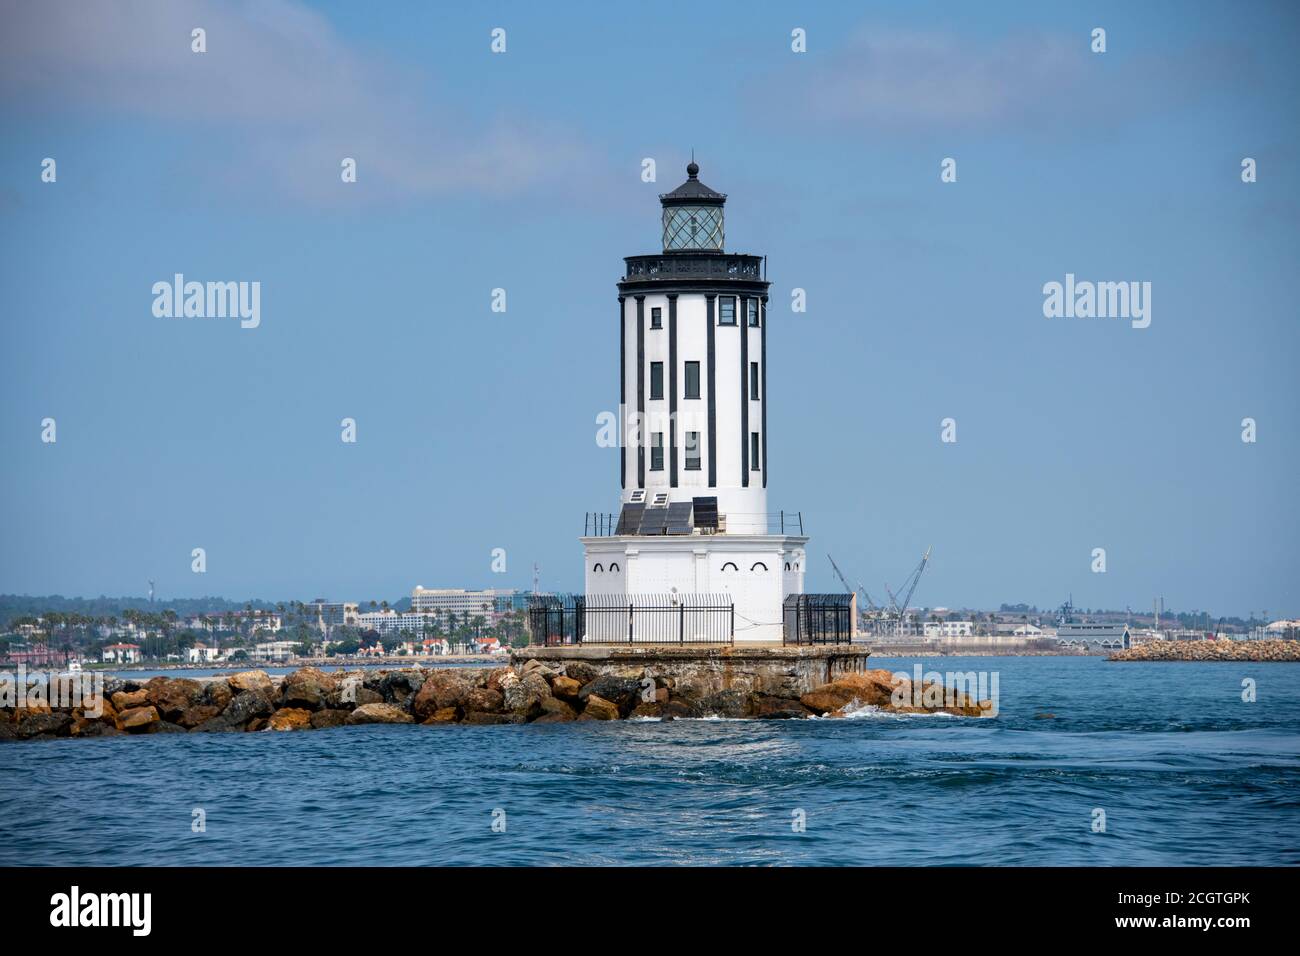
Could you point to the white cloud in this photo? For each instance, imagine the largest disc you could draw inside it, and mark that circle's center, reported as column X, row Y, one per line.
column 278, row 93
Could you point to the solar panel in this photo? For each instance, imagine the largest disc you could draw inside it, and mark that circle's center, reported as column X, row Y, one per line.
column 706, row 512
column 654, row 521
column 679, row 517
column 629, row 520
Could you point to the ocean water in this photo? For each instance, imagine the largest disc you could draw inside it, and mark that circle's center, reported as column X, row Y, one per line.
column 1185, row 772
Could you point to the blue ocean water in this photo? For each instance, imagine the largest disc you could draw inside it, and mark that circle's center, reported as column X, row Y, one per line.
column 1184, row 770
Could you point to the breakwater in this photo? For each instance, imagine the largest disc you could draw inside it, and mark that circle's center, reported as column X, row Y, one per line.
column 528, row 691
column 1259, row 651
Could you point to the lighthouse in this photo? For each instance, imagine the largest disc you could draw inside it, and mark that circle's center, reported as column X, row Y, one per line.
column 694, row 527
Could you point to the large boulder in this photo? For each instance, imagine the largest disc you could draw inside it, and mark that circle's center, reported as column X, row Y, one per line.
column 443, row 715
column 258, row 681
column 766, row 707
column 565, row 688
column 443, row 688
column 138, row 719
column 598, row 708
column 622, row 692
column 197, row 714
column 247, row 706
column 329, row 717
column 36, row 724
column 524, row 697
column 217, row 692
column 124, row 699
column 291, row 718
column 172, row 696
column 556, row 711
column 581, row 671
column 484, row 700
column 379, row 714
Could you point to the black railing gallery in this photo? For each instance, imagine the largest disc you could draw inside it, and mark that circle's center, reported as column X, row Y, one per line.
column 631, row 619
column 603, row 524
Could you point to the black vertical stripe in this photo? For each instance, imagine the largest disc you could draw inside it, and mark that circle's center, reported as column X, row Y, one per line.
column 640, row 391
column 713, row 395
column 742, row 322
column 622, row 394
column 762, row 371
column 672, row 390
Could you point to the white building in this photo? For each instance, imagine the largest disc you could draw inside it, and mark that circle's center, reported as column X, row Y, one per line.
column 121, row 653
column 275, row 651
column 694, row 517
column 393, row 622
column 489, row 603
column 202, row 653
column 949, row 629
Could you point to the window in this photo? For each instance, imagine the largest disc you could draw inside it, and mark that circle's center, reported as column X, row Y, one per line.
column 692, row 451
column 730, row 566
column 656, row 318
column 753, row 450
column 726, row 310
column 753, row 380
column 753, row 312
column 656, row 451
column 656, row 379
column 757, row 565
column 613, row 566
column 692, row 379
column 597, row 568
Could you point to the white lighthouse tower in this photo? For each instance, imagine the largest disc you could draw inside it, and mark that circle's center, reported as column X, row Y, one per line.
column 694, row 523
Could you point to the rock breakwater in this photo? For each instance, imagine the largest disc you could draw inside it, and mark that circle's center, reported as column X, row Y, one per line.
column 531, row 692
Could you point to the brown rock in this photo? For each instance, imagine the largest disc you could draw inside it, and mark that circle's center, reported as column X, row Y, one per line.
column 291, row 718
column 566, row 688
column 443, row 715
column 555, row 710
column 218, row 693
column 481, row 717
column 35, row 724
column 137, row 719
column 257, row 681
column 123, row 700
column 330, row 717
column 484, row 700
column 379, row 714
column 197, row 715
column 598, row 708
column 524, row 697
column 172, row 696
column 766, row 707
column 443, row 688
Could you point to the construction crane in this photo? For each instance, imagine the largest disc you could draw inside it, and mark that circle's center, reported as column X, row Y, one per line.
column 910, row 584
column 864, row 614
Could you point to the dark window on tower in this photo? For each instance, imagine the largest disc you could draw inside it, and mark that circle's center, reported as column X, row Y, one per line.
column 656, row 318
column 753, row 380
column 726, row 310
column 656, row 379
column 753, row 312
column 692, row 380
column 753, row 450
column 656, row 451
column 692, row 451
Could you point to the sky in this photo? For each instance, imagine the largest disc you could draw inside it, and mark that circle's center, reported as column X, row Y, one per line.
column 522, row 170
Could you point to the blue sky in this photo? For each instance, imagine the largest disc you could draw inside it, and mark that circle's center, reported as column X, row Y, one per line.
column 476, row 430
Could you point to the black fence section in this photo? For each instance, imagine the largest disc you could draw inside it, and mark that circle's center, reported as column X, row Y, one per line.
column 819, row 618
column 660, row 619
column 556, row 619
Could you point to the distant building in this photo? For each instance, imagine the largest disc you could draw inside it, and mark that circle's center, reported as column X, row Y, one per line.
column 332, row 614
column 121, row 654
column 489, row 603
column 1107, row 636
column 394, row 622
column 948, row 629
column 275, row 651
column 202, row 653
